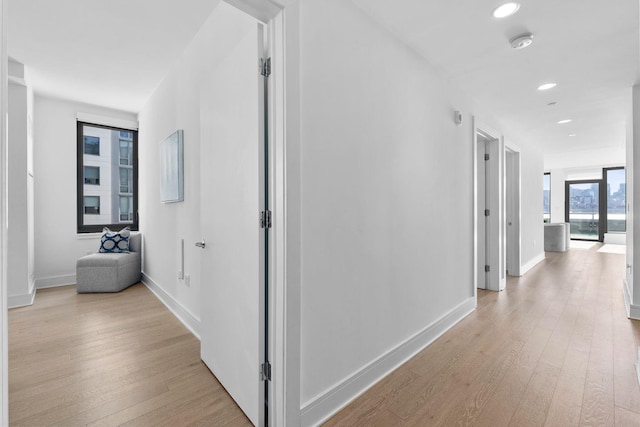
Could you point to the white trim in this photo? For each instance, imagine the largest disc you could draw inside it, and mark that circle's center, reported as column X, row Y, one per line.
column 319, row 409
column 88, row 236
column 532, row 263
column 55, row 281
column 4, row 331
column 191, row 322
column 633, row 310
column 24, row 300
column 107, row 121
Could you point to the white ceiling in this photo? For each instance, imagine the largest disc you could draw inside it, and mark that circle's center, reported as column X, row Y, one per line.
column 590, row 48
column 112, row 53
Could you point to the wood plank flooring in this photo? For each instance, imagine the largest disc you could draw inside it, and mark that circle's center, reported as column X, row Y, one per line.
column 107, row 360
column 554, row 349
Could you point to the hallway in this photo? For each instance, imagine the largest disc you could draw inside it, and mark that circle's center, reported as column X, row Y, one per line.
column 555, row 348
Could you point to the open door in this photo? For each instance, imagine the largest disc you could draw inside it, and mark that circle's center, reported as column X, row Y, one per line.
column 233, row 248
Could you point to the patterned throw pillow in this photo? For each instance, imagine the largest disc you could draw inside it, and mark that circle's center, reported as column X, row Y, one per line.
column 113, row 242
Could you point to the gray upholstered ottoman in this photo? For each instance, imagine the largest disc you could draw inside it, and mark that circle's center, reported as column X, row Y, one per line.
column 110, row 272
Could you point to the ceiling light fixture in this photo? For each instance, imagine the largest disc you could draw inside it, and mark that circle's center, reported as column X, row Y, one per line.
column 561, row 122
column 521, row 41
column 506, row 9
column 547, row 86
column 572, row 134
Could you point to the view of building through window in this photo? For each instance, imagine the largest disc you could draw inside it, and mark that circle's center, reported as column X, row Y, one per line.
column 616, row 200
column 107, row 184
column 546, row 197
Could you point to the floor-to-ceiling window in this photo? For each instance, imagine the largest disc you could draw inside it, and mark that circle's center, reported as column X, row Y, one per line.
column 583, row 209
column 615, row 187
column 546, row 197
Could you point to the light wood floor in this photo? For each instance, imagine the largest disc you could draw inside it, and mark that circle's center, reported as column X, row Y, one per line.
column 555, row 348
column 107, row 360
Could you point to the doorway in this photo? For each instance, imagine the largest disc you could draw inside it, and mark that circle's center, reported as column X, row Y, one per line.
column 490, row 271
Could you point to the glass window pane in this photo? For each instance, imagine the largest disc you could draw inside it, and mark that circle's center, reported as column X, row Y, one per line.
column 616, row 200
column 546, row 197
column 584, row 210
column 92, row 145
column 107, row 180
column 92, row 205
column 92, row 175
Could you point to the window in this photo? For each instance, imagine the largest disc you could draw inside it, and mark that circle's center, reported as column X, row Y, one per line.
column 126, row 208
column 92, row 205
column 92, row 175
column 126, row 152
column 107, row 178
column 615, row 188
column 546, row 197
column 126, row 180
column 92, row 145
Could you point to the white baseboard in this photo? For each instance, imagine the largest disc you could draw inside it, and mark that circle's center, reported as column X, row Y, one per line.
column 319, row 409
column 532, row 263
column 183, row 315
column 15, row 301
column 55, row 281
column 633, row 310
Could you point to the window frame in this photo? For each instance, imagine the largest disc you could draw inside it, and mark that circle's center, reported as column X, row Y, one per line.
column 85, row 175
column 96, row 228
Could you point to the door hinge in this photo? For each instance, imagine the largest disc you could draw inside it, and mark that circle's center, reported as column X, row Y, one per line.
column 265, row 67
column 487, row 268
column 265, row 371
column 486, row 157
column 265, row 219
column 487, row 212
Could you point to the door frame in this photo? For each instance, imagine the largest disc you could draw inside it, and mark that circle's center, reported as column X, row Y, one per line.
column 602, row 207
column 513, row 205
column 282, row 19
column 497, row 280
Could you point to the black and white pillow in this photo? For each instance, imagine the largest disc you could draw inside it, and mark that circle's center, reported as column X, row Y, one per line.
column 115, row 242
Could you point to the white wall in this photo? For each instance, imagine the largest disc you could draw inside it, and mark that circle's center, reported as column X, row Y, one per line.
column 176, row 105
column 387, row 195
column 58, row 245
column 20, row 208
column 531, row 220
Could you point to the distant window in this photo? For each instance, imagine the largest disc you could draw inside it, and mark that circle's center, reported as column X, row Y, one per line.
column 126, row 152
column 546, row 197
column 92, row 175
column 114, row 168
column 92, row 205
column 92, row 145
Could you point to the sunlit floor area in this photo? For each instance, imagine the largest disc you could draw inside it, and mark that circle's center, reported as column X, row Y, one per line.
column 555, row 348
column 109, row 360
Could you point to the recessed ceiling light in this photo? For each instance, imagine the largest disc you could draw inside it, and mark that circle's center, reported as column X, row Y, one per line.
column 561, row 122
column 506, row 9
column 572, row 134
column 547, row 86
column 521, row 41
column 551, row 104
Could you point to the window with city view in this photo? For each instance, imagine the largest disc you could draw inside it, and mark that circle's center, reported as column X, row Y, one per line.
column 546, row 197
column 616, row 199
column 107, row 178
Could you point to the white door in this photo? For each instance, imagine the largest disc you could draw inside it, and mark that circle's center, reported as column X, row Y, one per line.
column 232, row 317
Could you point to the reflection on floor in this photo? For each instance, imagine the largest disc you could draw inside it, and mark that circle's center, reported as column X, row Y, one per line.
column 580, row 244
column 613, row 249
